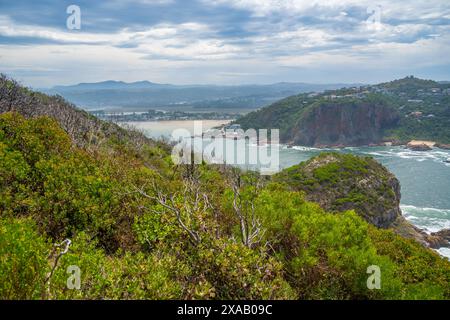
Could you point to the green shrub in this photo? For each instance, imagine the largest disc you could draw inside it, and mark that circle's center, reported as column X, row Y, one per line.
column 326, row 256
column 23, row 259
column 120, row 276
column 234, row 271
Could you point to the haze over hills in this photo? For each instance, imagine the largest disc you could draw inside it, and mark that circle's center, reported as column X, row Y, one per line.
column 145, row 94
column 111, row 85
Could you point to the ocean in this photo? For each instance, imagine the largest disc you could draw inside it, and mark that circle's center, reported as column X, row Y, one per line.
column 424, row 175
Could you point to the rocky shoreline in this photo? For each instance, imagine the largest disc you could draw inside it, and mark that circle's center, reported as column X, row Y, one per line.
column 434, row 240
column 415, row 145
column 420, row 145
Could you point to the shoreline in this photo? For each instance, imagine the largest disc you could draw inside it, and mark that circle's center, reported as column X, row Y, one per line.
column 419, row 145
column 411, row 145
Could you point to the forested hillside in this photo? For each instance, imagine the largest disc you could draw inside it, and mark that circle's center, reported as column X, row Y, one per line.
column 397, row 111
column 141, row 227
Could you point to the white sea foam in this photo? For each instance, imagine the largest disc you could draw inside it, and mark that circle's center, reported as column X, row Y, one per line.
column 420, row 156
column 429, row 219
column 302, row 148
column 378, row 154
column 396, row 152
column 410, row 207
column 444, row 252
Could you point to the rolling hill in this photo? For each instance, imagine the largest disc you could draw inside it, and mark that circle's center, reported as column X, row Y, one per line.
column 396, row 111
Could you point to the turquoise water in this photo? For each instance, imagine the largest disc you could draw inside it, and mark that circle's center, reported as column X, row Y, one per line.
column 157, row 129
column 424, row 177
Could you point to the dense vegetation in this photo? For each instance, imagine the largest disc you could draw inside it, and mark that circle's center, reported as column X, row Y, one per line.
column 420, row 110
column 142, row 227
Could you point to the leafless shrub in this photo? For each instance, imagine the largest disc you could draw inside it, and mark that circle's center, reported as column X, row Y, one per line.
column 250, row 227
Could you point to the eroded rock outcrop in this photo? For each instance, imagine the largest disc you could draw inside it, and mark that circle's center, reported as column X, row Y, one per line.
column 442, row 238
column 420, row 145
column 442, row 146
column 339, row 182
column 434, row 240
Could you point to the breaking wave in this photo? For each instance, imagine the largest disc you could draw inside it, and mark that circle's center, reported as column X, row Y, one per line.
column 399, row 152
column 429, row 219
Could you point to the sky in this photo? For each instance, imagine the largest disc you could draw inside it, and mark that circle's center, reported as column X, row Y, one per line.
column 224, row 41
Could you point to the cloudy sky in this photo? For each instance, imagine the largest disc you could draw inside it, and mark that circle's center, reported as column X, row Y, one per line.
column 225, row 41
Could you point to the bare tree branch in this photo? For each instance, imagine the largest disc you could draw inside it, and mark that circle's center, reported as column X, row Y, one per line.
column 250, row 226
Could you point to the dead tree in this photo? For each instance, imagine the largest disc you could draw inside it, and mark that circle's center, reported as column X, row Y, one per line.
column 191, row 203
column 244, row 209
column 9, row 94
column 56, row 256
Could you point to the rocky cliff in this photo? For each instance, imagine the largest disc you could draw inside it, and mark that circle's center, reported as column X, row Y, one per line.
column 343, row 123
column 327, row 120
column 340, row 182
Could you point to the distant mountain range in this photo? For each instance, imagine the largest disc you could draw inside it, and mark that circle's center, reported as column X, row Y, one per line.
column 111, row 85
column 145, row 95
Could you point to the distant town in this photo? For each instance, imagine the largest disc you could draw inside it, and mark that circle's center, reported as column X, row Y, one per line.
column 363, row 91
column 160, row 115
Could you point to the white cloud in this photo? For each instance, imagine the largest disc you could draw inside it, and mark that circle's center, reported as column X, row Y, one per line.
column 195, row 52
column 263, row 7
column 376, row 55
column 412, row 9
column 10, row 29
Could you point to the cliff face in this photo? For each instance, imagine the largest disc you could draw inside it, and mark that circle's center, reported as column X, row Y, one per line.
column 340, row 182
column 349, row 124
